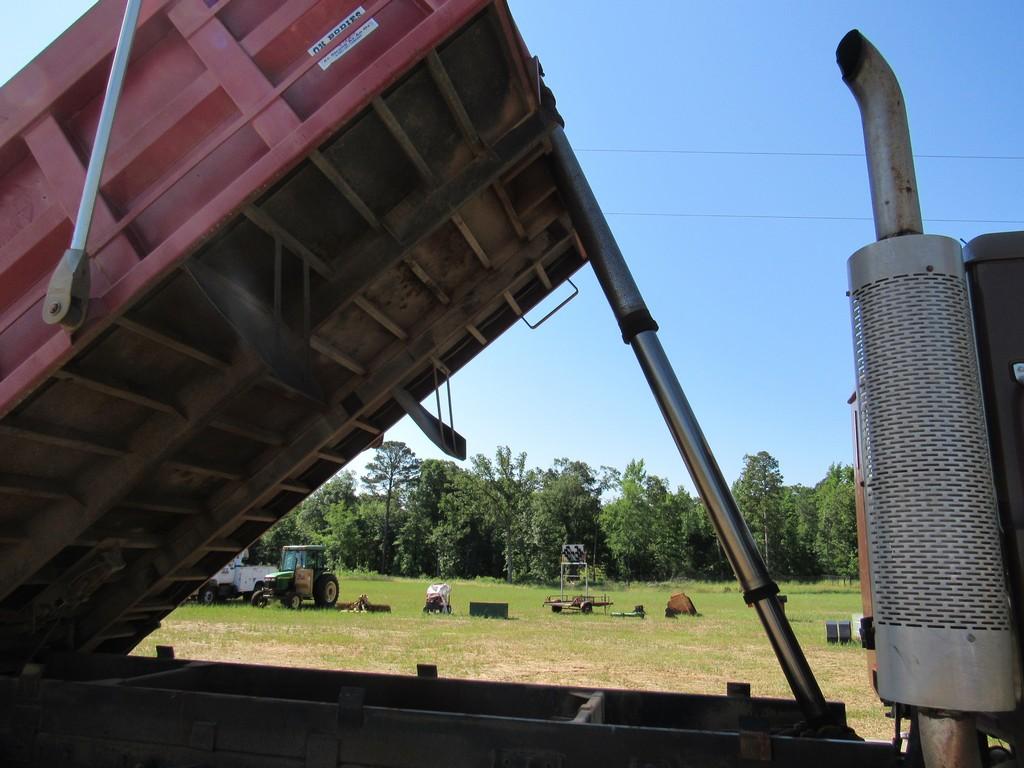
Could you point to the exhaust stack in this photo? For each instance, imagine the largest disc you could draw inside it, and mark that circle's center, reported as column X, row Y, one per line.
column 942, row 624
column 891, row 176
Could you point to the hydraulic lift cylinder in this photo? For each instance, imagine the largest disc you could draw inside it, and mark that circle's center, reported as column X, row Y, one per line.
column 640, row 331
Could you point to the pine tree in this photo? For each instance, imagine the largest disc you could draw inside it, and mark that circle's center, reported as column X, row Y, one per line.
column 392, row 468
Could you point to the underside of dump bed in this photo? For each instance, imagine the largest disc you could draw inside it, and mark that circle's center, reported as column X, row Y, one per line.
column 210, row 392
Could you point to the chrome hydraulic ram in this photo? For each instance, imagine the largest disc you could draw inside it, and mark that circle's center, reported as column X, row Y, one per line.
column 67, row 296
column 640, row 331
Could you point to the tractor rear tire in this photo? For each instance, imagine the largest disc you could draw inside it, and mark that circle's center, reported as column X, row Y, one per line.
column 291, row 601
column 325, row 591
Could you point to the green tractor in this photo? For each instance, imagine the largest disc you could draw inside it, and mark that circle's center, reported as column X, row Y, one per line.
column 302, row 576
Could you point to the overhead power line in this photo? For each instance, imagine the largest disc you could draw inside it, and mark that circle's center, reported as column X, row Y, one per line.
column 751, row 153
column 681, row 215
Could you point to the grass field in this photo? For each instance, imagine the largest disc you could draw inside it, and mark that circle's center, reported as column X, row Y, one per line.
column 692, row 654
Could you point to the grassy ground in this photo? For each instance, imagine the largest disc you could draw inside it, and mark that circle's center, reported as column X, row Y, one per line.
column 692, row 654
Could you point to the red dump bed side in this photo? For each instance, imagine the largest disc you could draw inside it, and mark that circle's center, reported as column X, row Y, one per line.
column 308, row 206
column 220, row 100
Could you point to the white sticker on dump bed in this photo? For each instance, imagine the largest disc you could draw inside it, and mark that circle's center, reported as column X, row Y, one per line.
column 342, row 25
column 349, row 43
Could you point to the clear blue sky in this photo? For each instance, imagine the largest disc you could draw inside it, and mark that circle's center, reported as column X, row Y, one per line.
column 752, row 310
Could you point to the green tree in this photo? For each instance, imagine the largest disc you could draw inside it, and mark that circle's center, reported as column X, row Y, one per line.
column 465, row 538
column 622, row 521
column 837, row 522
column 545, row 536
column 388, row 474
column 312, row 511
column 415, row 548
column 800, row 507
column 567, row 509
column 705, row 558
column 758, row 492
column 351, row 539
column 505, row 486
column 669, row 545
column 643, row 526
column 695, row 547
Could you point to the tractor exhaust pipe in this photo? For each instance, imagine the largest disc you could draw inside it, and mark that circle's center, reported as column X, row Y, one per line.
column 894, row 202
column 942, row 625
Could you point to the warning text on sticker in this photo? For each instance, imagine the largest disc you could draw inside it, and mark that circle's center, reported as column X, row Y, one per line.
column 342, row 25
column 349, row 43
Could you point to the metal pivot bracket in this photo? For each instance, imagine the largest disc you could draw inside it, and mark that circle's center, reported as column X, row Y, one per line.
column 67, row 295
column 440, row 434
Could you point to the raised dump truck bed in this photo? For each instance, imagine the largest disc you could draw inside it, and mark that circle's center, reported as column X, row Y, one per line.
column 309, row 209
column 313, row 212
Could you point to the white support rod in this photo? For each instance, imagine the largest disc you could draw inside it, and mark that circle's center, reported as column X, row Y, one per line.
column 103, row 129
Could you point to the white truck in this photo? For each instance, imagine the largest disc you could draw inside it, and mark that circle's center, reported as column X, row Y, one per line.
column 236, row 579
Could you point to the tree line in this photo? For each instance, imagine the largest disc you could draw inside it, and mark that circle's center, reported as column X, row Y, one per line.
column 501, row 518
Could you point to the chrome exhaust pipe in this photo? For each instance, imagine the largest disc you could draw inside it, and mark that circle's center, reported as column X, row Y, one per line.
column 894, row 201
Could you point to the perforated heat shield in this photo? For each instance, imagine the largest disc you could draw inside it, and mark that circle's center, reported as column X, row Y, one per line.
column 941, row 611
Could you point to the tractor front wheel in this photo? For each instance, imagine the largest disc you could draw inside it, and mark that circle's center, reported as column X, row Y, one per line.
column 260, row 599
column 292, row 601
column 325, row 591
